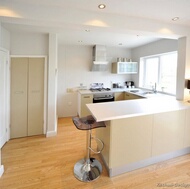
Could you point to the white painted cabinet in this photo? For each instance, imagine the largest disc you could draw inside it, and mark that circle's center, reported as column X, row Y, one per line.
column 125, row 67
column 82, row 101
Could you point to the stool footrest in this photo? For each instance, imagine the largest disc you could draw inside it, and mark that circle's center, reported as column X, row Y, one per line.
column 97, row 139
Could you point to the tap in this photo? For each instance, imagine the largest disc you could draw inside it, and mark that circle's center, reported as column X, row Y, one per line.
column 154, row 88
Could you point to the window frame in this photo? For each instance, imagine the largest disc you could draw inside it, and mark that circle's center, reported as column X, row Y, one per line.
column 143, row 68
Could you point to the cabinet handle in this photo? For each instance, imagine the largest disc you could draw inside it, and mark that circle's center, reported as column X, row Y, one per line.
column 86, row 96
column 19, row 92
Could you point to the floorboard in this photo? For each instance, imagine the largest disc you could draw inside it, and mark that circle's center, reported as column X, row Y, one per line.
column 47, row 163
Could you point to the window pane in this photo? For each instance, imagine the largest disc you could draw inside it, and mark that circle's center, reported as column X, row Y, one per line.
column 168, row 68
column 151, row 73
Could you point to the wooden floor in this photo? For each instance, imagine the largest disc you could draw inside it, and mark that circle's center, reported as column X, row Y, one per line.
column 47, row 163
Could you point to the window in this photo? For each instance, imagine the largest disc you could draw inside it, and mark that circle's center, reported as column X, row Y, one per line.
column 160, row 69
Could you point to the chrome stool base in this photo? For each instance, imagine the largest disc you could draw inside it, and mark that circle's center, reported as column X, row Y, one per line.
column 87, row 170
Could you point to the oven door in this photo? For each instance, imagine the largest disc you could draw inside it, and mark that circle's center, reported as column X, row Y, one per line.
column 103, row 99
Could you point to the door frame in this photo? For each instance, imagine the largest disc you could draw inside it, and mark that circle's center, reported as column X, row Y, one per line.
column 45, row 85
column 7, row 100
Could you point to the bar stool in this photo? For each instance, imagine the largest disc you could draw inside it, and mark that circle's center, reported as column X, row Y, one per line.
column 88, row 169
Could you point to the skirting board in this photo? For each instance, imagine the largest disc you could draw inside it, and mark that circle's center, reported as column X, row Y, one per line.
column 51, row 133
column 143, row 163
column 1, row 170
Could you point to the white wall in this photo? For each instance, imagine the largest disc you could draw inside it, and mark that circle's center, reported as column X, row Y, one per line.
column 5, row 44
column 187, row 67
column 74, row 65
column 29, row 43
column 158, row 47
column 52, row 87
column 4, row 38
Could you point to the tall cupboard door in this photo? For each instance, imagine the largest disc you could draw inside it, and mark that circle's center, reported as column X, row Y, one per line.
column 35, row 96
column 19, row 96
column 27, row 96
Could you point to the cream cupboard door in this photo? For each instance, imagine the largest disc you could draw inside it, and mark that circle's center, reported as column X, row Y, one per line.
column 19, row 82
column 27, row 96
column 35, row 96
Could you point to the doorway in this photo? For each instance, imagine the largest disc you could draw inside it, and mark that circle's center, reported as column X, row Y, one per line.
column 27, row 96
column 4, row 97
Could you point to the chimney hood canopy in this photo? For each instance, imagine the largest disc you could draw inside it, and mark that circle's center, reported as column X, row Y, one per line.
column 99, row 58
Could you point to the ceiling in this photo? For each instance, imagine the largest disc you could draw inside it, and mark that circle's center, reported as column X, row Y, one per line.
column 81, row 22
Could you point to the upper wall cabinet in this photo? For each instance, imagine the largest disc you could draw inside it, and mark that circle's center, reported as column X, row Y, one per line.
column 125, row 67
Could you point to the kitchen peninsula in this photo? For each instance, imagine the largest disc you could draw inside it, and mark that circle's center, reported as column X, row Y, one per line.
column 142, row 132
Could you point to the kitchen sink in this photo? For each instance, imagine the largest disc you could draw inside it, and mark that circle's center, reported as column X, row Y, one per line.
column 142, row 92
column 148, row 92
column 134, row 91
column 145, row 93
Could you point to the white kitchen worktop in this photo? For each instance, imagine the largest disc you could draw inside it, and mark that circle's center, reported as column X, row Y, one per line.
column 131, row 108
column 129, row 90
column 111, row 91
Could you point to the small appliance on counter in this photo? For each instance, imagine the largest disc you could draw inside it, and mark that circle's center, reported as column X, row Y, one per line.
column 117, row 85
column 130, row 84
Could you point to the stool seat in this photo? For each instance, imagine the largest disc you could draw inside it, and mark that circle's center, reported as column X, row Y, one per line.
column 88, row 169
column 87, row 123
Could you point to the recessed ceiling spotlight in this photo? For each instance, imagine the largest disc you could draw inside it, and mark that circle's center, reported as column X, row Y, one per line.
column 79, row 41
column 101, row 6
column 175, row 18
column 87, row 30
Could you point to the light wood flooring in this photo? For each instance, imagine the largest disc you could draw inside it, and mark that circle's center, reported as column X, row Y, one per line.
column 47, row 163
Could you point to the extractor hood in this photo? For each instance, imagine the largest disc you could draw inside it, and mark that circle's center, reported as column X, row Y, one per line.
column 99, row 58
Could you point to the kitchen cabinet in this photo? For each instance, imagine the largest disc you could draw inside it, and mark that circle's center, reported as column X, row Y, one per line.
column 135, row 142
column 125, row 67
column 168, row 132
column 119, row 96
column 130, row 96
column 126, row 141
column 82, row 101
column 187, row 129
column 27, row 96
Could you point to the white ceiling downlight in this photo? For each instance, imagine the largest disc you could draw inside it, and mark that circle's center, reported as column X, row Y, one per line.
column 175, row 18
column 101, row 6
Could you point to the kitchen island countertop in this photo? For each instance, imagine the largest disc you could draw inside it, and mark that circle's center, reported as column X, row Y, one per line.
column 132, row 108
